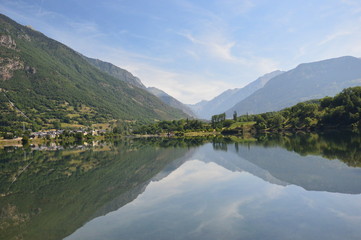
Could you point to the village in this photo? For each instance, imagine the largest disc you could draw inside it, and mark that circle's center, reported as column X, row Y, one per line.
column 56, row 133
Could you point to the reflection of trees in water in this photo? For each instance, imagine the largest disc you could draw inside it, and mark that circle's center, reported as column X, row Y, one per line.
column 220, row 146
column 344, row 146
column 58, row 191
column 183, row 142
column 61, row 190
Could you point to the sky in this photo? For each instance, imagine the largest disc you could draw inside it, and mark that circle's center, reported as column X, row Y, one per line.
column 195, row 50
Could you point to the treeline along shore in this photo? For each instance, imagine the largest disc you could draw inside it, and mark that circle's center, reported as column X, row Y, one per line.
column 339, row 112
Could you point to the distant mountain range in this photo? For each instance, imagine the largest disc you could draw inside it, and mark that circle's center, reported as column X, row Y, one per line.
column 227, row 99
column 43, row 81
column 127, row 77
column 278, row 90
column 305, row 82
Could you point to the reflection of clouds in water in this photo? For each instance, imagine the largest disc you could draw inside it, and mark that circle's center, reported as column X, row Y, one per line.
column 206, row 201
column 198, row 172
column 191, row 176
column 310, row 203
column 205, row 197
column 352, row 218
column 223, row 217
column 216, row 194
column 273, row 192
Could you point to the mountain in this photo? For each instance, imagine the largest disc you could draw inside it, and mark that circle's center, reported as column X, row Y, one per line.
column 44, row 81
column 115, row 71
column 227, row 99
column 171, row 101
column 127, row 77
column 307, row 81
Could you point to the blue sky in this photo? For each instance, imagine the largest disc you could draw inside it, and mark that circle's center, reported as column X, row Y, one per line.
column 196, row 49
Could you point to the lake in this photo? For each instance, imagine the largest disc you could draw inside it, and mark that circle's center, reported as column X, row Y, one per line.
column 304, row 186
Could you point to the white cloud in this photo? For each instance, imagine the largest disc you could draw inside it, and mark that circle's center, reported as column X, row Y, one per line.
column 263, row 65
column 213, row 45
column 186, row 87
column 334, row 36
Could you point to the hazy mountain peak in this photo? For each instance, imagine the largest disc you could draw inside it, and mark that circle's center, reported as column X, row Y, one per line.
column 306, row 81
column 171, row 101
column 230, row 97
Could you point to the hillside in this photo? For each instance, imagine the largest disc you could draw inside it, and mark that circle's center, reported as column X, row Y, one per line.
column 171, row 101
column 127, row 77
column 227, row 99
column 305, row 82
column 44, row 81
column 339, row 112
column 115, row 71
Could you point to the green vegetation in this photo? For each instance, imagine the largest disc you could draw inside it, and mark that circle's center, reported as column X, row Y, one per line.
column 341, row 111
column 218, row 120
column 45, row 84
column 178, row 127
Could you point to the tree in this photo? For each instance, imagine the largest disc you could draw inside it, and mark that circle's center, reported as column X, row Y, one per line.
column 235, row 116
column 25, row 140
column 57, row 125
column 217, row 120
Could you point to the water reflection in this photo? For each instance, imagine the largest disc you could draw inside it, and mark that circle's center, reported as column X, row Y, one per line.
column 204, row 200
column 49, row 194
column 185, row 189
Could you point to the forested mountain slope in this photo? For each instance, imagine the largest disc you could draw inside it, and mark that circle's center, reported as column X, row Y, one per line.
column 171, row 101
column 127, row 77
column 43, row 81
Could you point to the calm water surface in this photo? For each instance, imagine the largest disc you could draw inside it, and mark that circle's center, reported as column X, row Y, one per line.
column 299, row 187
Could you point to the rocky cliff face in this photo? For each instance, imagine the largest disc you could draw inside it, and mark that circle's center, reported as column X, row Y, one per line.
column 8, row 66
column 7, row 41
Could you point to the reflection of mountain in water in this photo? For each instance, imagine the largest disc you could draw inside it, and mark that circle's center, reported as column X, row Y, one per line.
column 48, row 195
column 133, row 193
column 311, row 172
column 233, row 162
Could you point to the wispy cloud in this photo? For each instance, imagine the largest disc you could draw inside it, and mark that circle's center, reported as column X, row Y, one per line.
column 334, row 36
column 177, row 83
column 213, row 45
